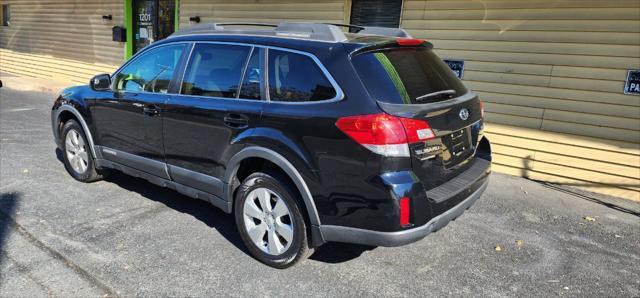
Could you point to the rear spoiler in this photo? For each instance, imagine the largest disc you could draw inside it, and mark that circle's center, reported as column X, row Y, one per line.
column 394, row 43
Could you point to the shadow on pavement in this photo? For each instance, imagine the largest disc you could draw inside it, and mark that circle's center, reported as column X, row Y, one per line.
column 201, row 210
column 577, row 193
column 334, row 252
column 224, row 223
column 8, row 202
column 215, row 218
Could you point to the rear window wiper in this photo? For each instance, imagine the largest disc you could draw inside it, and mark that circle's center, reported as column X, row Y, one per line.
column 449, row 92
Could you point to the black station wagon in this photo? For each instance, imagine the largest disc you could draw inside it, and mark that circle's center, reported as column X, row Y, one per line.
column 305, row 132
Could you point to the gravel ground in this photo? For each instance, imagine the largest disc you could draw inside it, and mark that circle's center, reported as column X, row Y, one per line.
column 127, row 237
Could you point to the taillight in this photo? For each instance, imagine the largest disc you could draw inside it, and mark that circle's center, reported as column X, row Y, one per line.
column 405, row 208
column 481, row 109
column 409, row 41
column 385, row 134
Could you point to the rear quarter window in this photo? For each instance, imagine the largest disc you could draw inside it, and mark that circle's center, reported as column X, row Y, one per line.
column 295, row 77
column 403, row 75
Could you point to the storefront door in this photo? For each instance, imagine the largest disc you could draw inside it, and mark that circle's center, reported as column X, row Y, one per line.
column 153, row 20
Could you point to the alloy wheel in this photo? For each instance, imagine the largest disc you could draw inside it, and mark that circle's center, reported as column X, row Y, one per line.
column 76, row 151
column 268, row 221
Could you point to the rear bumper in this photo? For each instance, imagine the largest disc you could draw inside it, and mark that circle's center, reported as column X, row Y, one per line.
column 378, row 238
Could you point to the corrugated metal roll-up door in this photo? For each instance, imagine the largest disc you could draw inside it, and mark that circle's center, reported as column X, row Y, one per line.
column 380, row 13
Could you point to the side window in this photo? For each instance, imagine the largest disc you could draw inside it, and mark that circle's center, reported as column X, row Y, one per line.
column 296, row 78
column 152, row 71
column 215, row 70
column 250, row 88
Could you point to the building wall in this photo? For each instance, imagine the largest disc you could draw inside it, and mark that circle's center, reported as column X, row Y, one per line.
column 551, row 74
column 61, row 38
column 67, row 38
column 262, row 11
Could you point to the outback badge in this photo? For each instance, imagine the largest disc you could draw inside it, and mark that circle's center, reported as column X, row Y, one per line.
column 464, row 114
column 428, row 152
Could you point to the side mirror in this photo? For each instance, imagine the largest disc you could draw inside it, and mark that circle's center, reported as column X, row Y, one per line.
column 101, row 82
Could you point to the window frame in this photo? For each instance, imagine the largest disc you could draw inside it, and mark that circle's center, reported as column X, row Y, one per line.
column 356, row 3
column 262, row 63
column 180, row 66
column 339, row 95
column 265, row 67
column 6, row 15
column 184, row 67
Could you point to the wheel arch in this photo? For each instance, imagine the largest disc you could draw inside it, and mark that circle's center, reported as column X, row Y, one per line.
column 283, row 164
column 63, row 111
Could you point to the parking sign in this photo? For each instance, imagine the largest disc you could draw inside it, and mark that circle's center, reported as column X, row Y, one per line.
column 632, row 86
column 457, row 66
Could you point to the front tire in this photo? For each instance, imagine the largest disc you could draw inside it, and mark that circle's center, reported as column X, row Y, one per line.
column 270, row 222
column 76, row 153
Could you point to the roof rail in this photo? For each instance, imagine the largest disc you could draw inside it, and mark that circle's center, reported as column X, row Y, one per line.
column 371, row 30
column 384, row 31
column 246, row 24
column 316, row 31
column 359, row 28
column 213, row 27
column 311, row 30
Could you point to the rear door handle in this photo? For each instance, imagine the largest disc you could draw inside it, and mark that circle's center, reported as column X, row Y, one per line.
column 151, row 110
column 236, row 121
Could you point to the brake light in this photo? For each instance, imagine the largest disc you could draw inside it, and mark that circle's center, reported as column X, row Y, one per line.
column 385, row 134
column 481, row 109
column 405, row 208
column 409, row 41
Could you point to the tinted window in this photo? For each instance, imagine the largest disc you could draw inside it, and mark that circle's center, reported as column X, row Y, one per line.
column 401, row 75
column 295, row 77
column 215, row 70
column 150, row 72
column 250, row 88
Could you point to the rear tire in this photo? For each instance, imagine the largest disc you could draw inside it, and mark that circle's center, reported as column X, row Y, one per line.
column 270, row 221
column 76, row 154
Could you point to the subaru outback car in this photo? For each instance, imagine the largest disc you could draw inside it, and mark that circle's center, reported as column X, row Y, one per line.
column 305, row 132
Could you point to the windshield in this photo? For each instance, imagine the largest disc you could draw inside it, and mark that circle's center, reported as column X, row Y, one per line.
column 407, row 76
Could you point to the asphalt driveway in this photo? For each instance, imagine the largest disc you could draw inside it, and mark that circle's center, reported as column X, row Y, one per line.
column 126, row 237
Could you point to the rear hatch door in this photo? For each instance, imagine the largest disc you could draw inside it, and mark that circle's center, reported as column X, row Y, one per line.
column 413, row 82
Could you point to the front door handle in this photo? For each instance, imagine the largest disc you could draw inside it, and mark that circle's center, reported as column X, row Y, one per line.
column 236, row 121
column 151, row 110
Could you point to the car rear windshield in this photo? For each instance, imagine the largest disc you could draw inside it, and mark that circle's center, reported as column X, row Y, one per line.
column 407, row 76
